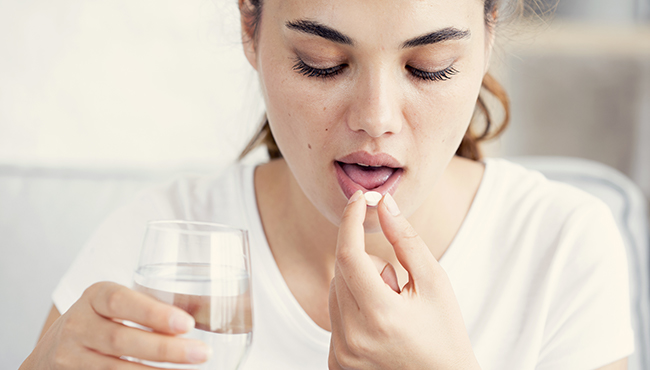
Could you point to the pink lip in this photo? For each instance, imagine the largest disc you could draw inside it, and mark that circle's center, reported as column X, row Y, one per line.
column 349, row 187
column 380, row 159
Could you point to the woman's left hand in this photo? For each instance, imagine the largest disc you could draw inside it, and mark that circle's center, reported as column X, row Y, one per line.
column 375, row 327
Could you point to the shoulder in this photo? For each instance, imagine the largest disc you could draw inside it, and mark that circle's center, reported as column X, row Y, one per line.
column 563, row 255
column 530, row 210
column 518, row 188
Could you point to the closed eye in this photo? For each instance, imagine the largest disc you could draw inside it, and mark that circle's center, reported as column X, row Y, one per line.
column 309, row 71
column 306, row 70
column 441, row 75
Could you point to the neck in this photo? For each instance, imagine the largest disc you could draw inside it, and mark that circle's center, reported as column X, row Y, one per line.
column 298, row 234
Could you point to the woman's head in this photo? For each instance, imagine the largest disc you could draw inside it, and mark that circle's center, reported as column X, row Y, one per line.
column 355, row 83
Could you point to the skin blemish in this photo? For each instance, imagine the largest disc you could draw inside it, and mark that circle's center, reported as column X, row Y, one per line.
column 309, row 145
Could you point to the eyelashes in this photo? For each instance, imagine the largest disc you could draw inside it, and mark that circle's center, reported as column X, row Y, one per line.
column 302, row 68
column 442, row 75
column 326, row 73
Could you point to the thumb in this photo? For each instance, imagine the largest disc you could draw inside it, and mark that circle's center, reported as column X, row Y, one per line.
column 387, row 272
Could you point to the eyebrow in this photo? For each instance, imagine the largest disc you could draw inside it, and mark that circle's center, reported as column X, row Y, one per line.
column 435, row 37
column 321, row 30
column 328, row 33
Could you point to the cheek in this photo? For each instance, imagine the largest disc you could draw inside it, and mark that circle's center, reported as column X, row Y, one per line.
column 303, row 114
column 440, row 118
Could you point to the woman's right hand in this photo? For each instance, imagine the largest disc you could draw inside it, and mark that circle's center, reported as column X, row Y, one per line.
column 90, row 335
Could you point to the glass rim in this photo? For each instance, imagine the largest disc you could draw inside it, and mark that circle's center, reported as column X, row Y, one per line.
column 159, row 225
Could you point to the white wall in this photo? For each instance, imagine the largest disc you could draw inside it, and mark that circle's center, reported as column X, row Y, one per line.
column 123, row 82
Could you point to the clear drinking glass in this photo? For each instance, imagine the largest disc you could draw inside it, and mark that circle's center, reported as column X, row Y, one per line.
column 204, row 269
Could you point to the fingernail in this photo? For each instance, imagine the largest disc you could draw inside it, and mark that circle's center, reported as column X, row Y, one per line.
column 181, row 322
column 356, row 196
column 197, row 353
column 390, row 204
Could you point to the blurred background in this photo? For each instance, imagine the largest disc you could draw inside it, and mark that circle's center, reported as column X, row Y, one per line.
column 578, row 75
column 101, row 98
column 123, row 83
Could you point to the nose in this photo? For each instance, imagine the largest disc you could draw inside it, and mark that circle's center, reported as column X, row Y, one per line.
column 375, row 104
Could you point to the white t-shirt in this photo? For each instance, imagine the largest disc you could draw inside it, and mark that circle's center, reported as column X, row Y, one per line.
column 538, row 268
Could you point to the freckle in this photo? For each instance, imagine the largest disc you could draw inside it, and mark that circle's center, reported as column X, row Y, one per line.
column 309, row 146
column 324, row 108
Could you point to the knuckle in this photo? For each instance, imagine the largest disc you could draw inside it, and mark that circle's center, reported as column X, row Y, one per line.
column 115, row 300
column 68, row 327
column 347, row 215
column 151, row 312
column 163, row 350
column 343, row 357
column 116, row 339
column 357, row 347
column 344, row 257
column 92, row 290
column 377, row 316
column 408, row 232
column 347, row 361
column 384, row 327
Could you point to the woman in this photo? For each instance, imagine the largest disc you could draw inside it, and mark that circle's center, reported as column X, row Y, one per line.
column 464, row 264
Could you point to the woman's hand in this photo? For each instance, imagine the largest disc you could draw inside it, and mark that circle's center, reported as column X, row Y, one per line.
column 90, row 334
column 374, row 326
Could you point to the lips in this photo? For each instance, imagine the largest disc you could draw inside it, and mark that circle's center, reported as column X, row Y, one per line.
column 368, row 177
column 366, row 172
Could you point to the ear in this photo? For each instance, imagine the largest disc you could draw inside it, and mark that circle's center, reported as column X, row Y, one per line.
column 247, row 31
column 490, row 35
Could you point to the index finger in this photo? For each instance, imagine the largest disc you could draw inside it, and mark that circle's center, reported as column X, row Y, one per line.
column 115, row 301
column 357, row 268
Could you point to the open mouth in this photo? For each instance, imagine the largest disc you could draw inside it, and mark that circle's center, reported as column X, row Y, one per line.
column 367, row 175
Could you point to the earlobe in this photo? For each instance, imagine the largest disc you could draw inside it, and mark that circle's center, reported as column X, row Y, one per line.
column 488, row 51
column 247, row 32
column 490, row 35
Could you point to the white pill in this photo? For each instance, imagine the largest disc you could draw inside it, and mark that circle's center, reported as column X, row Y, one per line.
column 372, row 198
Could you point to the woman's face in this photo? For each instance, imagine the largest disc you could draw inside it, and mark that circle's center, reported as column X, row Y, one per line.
column 369, row 94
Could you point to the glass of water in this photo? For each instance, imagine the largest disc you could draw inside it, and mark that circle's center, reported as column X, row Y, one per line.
column 204, row 269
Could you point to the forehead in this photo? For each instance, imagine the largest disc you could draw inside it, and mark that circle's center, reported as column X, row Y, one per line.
column 391, row 21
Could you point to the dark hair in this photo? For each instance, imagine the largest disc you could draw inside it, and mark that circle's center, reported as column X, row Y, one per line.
column 469, row 146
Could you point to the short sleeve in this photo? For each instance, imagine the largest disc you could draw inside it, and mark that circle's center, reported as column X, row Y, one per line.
column 110, row 254
column 588, row 323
